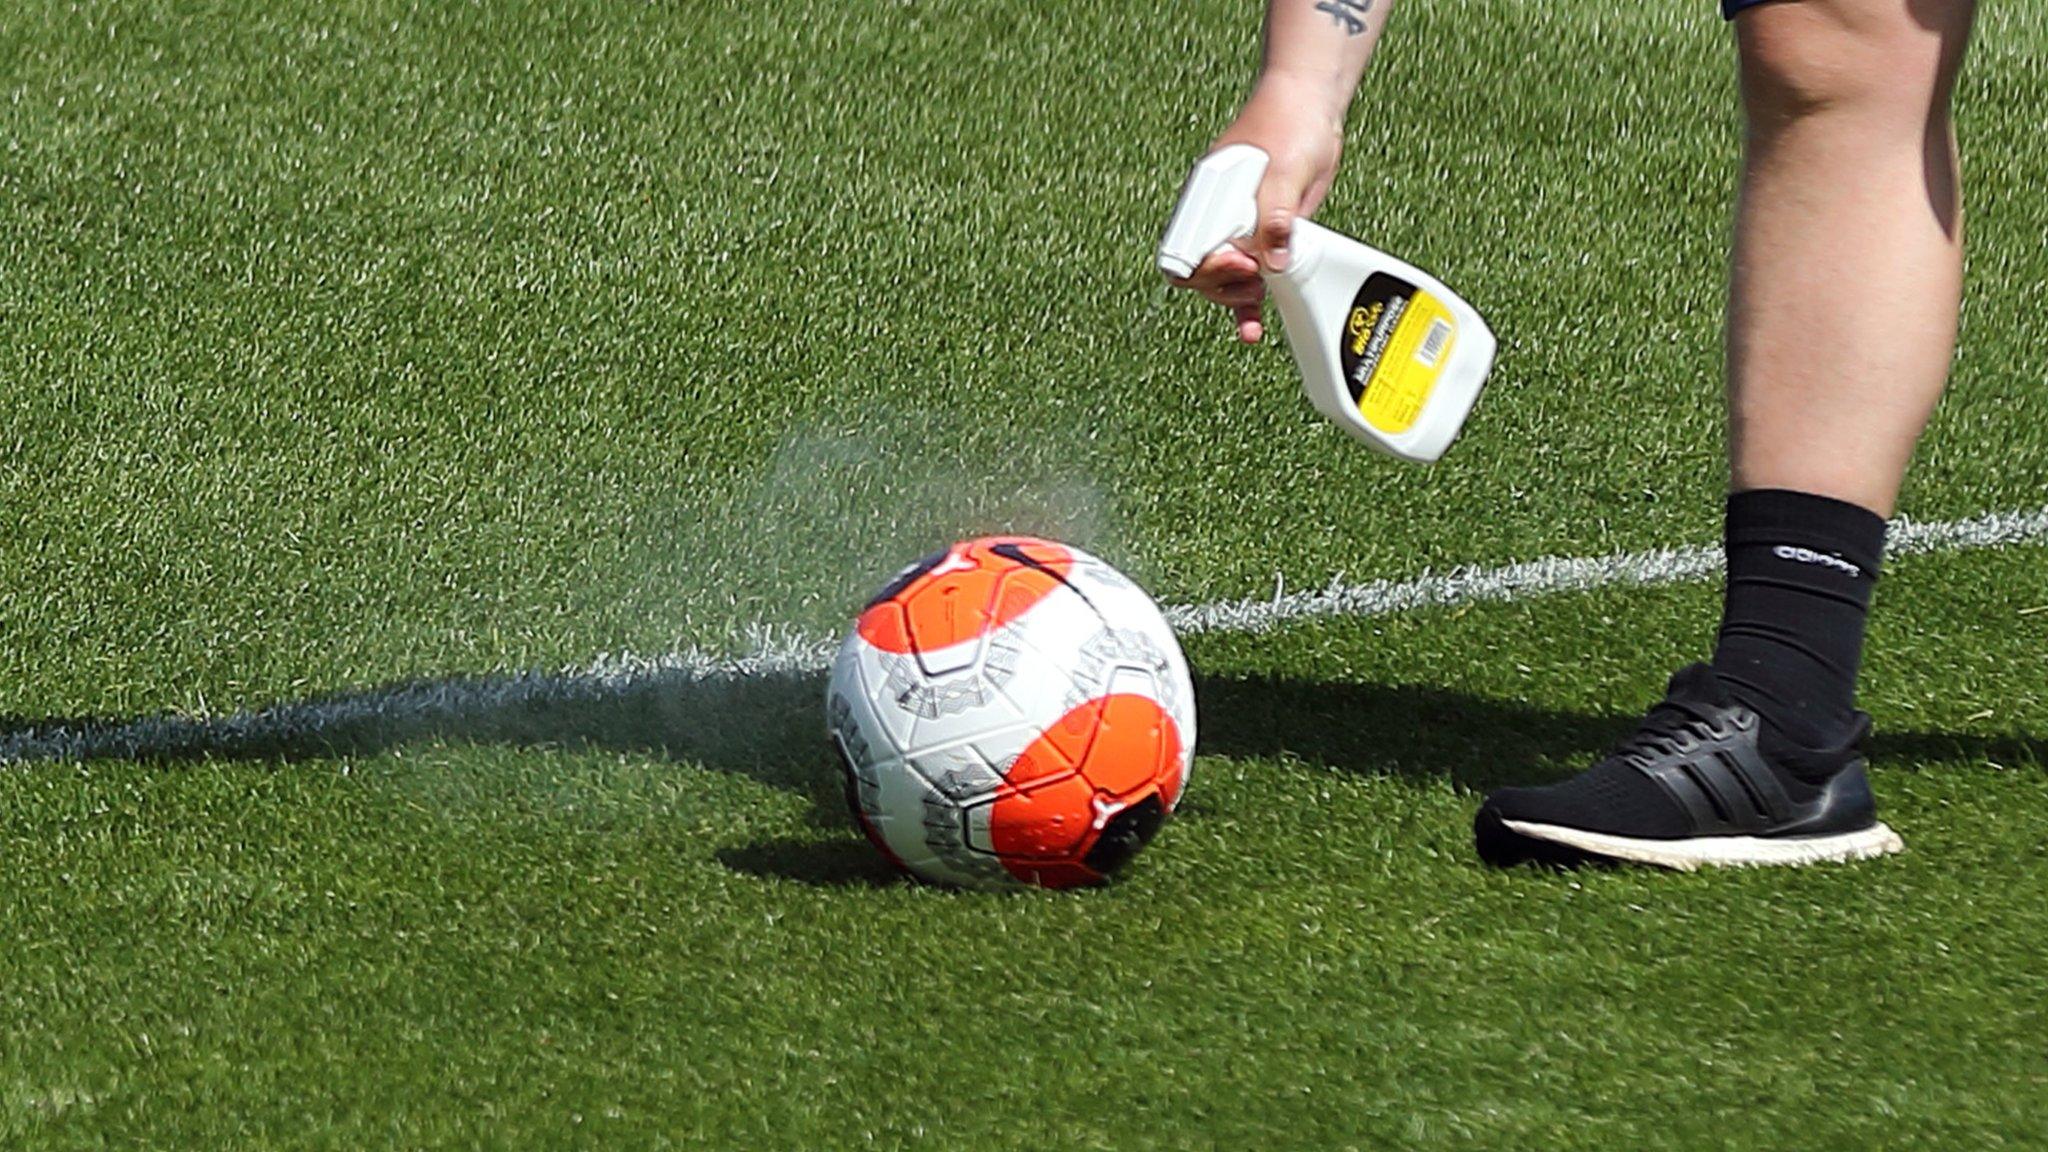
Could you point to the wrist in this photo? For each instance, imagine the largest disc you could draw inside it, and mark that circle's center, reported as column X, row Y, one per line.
column 1319, row 99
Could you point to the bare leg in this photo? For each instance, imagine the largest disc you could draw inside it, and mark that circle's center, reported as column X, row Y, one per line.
column 1847, row 265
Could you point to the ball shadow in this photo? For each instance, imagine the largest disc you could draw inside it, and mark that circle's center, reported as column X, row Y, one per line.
column 845, row 862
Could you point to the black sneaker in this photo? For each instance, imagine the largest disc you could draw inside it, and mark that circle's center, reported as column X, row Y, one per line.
column 1702, row 781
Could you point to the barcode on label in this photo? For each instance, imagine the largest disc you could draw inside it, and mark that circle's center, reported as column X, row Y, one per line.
column 1433, row 344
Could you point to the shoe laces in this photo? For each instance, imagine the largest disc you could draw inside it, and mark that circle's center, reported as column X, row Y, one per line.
column 1674, row 726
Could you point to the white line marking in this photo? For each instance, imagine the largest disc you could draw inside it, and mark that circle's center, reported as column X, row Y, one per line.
column 383, row 716
column 1555, row 574
column 428, row 707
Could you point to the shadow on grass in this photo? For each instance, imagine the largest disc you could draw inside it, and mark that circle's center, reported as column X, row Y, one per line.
column 1481, row 743
column 842, row 862
column 769, row 728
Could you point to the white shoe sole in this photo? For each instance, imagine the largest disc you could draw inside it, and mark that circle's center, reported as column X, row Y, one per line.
column 1719, row 851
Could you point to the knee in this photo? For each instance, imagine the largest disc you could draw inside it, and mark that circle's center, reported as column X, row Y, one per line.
column 1810, row 57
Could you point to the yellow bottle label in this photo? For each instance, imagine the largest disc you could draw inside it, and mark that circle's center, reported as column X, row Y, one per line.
column 1397, row 339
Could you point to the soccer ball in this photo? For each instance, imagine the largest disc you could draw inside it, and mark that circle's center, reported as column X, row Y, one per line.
column 1012, row 712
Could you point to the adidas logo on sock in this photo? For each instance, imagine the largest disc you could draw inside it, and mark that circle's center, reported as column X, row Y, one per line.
column 1809, row 556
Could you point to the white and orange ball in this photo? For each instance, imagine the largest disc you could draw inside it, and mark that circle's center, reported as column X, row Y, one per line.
column 1012, row 712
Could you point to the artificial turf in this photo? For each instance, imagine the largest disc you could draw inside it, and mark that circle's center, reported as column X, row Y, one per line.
column 353, row 344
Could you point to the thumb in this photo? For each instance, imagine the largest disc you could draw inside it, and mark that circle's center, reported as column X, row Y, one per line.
column 1279, row 202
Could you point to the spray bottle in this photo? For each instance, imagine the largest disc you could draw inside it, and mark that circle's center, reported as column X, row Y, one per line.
column 1386, row 351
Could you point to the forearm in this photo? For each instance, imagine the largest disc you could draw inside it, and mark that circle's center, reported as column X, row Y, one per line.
column 1316, row 50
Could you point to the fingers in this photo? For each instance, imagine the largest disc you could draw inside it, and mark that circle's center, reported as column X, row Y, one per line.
column 1280, row 198
column 1238, row 294
column 1223, row 269
column 1230, row 277
column 1250, row 326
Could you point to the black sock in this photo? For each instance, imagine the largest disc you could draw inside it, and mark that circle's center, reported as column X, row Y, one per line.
column 1800, row 572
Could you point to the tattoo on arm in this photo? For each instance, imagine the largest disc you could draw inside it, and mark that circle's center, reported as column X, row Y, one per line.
column 1348, row 14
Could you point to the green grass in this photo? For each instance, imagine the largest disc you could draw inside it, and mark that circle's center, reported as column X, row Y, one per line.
column 361, row 343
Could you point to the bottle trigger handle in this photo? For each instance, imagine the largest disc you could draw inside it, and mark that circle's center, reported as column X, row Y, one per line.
column 1218, row 204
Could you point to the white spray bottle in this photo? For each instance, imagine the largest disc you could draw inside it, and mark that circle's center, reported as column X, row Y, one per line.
column 1386, row 351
